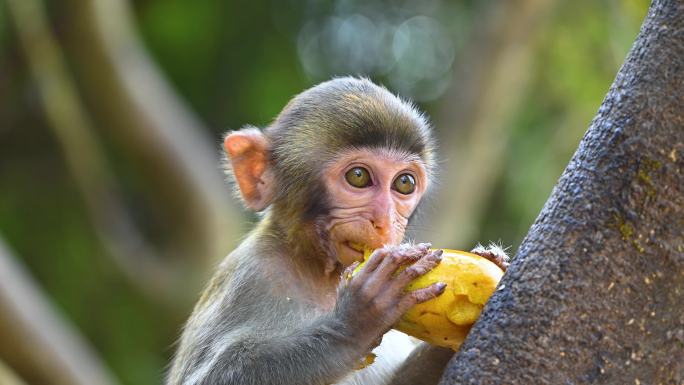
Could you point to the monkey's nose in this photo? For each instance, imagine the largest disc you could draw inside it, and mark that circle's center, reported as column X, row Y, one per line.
column 382, row 213
column 381, row 226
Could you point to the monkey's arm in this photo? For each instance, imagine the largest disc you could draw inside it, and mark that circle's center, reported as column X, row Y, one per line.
column 320, row 352
column 249, row 333
column 424, row 366
column 256, row 337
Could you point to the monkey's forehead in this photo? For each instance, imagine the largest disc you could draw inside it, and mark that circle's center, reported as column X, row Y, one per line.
column 349, row 113
column 359, row 153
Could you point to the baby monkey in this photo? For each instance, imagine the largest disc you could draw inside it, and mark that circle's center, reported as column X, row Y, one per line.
column 342, row 167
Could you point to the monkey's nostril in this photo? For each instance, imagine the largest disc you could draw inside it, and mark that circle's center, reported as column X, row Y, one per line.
column 381, row 229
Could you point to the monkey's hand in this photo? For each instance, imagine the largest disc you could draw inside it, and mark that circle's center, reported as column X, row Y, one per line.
column 374, row 299
column 494, row 253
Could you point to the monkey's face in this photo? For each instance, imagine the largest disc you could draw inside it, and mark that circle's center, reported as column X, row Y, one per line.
column 373, row 192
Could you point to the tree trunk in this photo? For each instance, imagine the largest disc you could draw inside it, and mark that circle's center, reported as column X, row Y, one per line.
column 595, row 294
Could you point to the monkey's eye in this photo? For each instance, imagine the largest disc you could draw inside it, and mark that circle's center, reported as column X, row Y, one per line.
column 405, row 184
column 358, row 177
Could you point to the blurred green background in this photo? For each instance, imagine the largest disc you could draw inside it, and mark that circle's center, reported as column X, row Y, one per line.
column 113, row 209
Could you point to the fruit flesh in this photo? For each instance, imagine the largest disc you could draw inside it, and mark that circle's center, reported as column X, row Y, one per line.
column 447, row 319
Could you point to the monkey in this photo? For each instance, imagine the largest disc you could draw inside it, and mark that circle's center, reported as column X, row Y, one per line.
column 341, row 168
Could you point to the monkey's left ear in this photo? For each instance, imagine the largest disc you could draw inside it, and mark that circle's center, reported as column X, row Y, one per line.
column 248, row 153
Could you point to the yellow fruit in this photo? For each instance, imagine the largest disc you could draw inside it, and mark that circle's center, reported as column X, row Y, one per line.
column 446, row 320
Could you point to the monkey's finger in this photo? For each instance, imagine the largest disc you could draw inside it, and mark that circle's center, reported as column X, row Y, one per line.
column 399, row 256
column 392, row 257
column 421, row 267
column 420, row 296
column 347, row 273
column 494, row 253
column 501, row 260
column 375, row 259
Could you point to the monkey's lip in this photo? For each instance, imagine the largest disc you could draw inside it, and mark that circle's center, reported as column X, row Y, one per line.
column 358, row 247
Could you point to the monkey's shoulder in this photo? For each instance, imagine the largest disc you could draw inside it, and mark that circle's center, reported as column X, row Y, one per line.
column 248, row 279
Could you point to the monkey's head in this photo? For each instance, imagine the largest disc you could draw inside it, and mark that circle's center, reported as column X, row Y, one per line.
column 343, row 166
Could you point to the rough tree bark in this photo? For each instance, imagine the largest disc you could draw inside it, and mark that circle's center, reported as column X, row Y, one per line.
column 595, row 294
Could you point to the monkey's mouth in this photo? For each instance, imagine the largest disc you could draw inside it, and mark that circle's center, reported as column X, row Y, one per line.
column 357, row 247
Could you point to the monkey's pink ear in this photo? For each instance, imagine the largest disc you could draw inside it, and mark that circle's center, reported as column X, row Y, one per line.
column 248, row 151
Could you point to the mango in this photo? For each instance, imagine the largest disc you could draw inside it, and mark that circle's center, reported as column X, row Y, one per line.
column 447, row 319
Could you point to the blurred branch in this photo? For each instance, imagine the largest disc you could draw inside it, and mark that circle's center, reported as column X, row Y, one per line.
column 8, row 377
column 144, row 114
column 72, row 128
column 36, row 341
column 476, row 112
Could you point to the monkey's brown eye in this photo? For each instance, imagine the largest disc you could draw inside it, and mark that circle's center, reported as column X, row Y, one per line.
column 405, row 184
column 358, row 177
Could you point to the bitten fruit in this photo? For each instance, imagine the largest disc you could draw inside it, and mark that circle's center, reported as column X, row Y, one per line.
column 447, row 319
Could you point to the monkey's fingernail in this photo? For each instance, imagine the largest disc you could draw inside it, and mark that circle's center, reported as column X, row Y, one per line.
column 425, row 245
column 439, row 253
column 441, row 286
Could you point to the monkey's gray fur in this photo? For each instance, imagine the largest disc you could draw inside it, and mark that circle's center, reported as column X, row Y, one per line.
column 244, row 330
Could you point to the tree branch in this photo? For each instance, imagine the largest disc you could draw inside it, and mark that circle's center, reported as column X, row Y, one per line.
column 475, row 115
column 73, row 129
column 8, row 377
column 36, row 341
column 145, row 116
